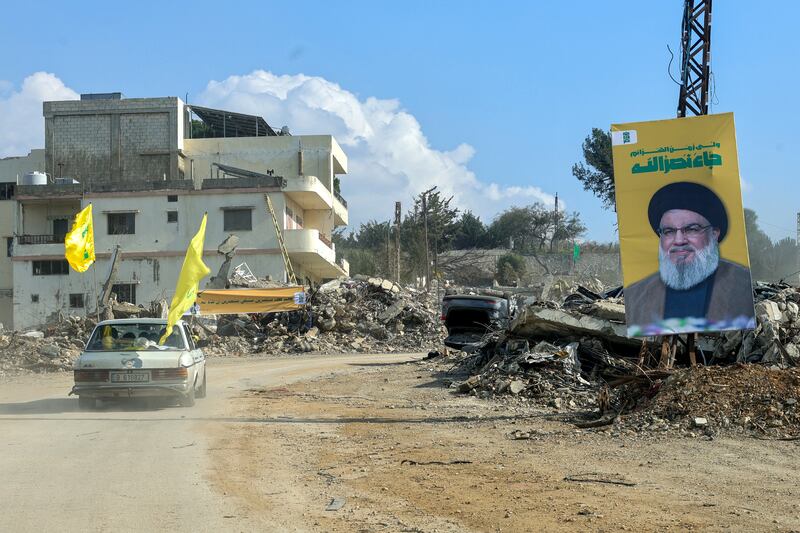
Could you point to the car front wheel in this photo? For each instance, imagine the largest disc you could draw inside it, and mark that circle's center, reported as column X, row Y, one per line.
column 201, row 392
column 187, row 400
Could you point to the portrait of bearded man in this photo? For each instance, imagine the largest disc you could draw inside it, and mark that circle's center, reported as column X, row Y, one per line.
column 693, row 281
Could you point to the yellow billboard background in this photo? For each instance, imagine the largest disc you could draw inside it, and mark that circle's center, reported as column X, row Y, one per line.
column 713, row 135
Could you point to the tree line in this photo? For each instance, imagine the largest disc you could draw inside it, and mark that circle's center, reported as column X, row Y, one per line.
column 434, row 225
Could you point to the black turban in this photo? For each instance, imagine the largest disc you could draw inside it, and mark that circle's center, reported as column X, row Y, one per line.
column 691, row 197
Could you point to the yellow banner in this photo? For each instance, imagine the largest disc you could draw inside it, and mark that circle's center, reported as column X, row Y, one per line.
column 79, row 242
column 234, row 301
column 681, row 225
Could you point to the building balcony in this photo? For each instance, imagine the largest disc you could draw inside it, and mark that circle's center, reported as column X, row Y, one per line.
column 40, row 239
column 312, row 253
column 311, row 194
column 39, row 246
column 340, row 211
column 308, row 192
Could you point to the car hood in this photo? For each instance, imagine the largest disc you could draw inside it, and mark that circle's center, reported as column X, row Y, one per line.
column 129, row 359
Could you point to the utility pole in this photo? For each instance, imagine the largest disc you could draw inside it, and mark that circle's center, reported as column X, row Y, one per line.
column 397, row 216
column 427, row 248
column 695, row 58
column 693, row 98
column 555, row 224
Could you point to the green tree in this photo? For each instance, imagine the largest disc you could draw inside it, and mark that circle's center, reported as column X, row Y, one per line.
column 366, row 249
column 597, row 175
column 784, row 257
column 442, row 223
column 759, row 247
column 201, row 130
column 510, row 269
column 470, row 233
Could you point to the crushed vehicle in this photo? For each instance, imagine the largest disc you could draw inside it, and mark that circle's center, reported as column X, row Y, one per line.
column 124, row 360
column 469, row 317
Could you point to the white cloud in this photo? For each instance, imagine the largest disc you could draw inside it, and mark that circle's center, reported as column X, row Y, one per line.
column 21, row 120
column 389, row 156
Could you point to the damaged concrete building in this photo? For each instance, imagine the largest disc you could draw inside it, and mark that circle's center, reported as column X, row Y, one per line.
column 151, row 167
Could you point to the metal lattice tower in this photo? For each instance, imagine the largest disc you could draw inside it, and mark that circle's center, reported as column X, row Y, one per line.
column 695, row 58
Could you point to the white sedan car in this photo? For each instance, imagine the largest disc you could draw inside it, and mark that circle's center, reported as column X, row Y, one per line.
column 124, row 360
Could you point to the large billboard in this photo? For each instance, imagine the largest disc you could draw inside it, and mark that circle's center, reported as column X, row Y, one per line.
column 681, row 225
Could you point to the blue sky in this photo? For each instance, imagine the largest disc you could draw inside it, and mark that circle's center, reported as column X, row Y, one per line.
column 496, row 93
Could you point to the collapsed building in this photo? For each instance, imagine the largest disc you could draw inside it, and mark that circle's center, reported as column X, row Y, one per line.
column 574, row 356
column 151, row 167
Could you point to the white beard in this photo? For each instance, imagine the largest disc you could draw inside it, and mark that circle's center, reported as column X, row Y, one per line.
column 686, row 275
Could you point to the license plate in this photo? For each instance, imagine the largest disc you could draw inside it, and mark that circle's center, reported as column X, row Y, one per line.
column 130, row 377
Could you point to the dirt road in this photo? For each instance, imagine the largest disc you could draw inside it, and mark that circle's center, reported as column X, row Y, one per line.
column 130, row 467
column 386, row 443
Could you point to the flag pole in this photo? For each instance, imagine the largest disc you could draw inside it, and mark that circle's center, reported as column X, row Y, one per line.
column 96, row 295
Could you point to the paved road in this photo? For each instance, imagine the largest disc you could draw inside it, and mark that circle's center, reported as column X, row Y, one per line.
column 127, row 467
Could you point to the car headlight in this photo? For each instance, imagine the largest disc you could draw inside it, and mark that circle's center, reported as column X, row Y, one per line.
column 186, row 360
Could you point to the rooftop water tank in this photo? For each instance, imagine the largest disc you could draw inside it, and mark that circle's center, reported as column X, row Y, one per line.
column 34, row 178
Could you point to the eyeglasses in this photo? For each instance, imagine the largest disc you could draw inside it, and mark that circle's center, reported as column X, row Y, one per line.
column 692, row 230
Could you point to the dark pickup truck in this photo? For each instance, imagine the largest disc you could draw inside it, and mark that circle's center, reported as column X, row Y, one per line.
column 469, row 317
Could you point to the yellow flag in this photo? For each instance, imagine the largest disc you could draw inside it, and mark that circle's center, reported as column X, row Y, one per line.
column 192, row 271
column 79, row 242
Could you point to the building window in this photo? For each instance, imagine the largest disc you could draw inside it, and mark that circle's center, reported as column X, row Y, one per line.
column 238, row 219
column 60, row 228
column 172, row 216
column 76, row 301
column 34, row 298
column 7, row 190
column 126, row 292
column 172, row 197
column 121, row 223
column 9, row 246
column 50, row 268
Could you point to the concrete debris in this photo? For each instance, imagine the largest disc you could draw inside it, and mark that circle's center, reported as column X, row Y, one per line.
column 547, row 375
column 52, row 349
column 363, row 314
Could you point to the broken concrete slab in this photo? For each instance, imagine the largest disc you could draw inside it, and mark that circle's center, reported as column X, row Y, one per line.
column 536, row 321
column 608, row 310
column 516, row 386
column 768, row 310
column 392, row 311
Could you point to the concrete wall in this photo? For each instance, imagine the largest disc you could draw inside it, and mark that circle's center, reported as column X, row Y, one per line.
column 7, row 209
column 321, row 156
column 102, row 140
column 12, row 168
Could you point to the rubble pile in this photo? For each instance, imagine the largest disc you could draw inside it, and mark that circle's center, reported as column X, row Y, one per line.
column 362, row 314
column 52, row 349
column 580, row 351
column 704, row 401
column 545, row 375
column 776, row 339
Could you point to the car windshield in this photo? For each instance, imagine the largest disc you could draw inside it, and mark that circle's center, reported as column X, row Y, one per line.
column 134, row 336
